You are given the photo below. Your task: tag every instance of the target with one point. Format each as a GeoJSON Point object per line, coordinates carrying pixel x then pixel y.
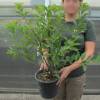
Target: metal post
{"type": "Point", "coordinates": [47, 2]}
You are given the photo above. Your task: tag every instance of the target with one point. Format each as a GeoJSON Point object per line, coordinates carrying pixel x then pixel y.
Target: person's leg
{"type": "Point", "coordinates": [61, 95]}
{"type": "Point", "coordinates": [74, 87]}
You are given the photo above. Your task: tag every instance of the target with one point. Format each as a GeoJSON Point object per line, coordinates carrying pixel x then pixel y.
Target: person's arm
{"type": "Point", "coordinates": [90, 44]}
{"type": "Point", "coordinates": [89, 53]}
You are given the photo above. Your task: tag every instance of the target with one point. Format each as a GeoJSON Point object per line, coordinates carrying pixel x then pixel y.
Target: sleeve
{"type": "Point", "coordinates": [90, 32]}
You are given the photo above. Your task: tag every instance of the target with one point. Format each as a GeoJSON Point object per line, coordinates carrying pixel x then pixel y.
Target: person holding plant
{"type": "Point", "coordinates": [72, 77]}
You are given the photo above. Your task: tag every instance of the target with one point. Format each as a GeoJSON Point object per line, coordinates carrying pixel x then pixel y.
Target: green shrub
{"type": "Point", "coordinates": [43, 30]}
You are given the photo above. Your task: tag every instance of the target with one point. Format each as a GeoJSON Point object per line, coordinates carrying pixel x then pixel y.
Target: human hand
{"type": "Point", "coordinates": [64, 72]}
{"type": "Point", "coordinates": [43, 66]}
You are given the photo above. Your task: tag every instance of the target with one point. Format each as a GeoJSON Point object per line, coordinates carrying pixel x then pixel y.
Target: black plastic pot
{"type": "Point", "coordinates": [48, 89]}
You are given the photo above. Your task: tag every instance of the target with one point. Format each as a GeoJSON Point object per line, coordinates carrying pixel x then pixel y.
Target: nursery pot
{"type": "Point", "coordinates": [48, 89]}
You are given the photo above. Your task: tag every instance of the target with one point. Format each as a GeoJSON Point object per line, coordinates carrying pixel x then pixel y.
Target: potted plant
{"type": "Point", "coordinates": [41, 33]}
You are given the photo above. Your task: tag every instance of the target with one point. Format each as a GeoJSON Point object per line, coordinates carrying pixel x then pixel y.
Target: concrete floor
{"type": "Point", "coordinates": [37, 97]}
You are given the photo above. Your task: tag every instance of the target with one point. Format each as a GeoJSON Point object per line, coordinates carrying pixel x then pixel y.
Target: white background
{"type": "Point", "coordinates": [11, 2]}
{"type": "Point", "coordinates": [95, 3]}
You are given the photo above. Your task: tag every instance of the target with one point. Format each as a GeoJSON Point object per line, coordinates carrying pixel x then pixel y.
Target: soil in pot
{"type": "Point", "coordinates": [47, 83]}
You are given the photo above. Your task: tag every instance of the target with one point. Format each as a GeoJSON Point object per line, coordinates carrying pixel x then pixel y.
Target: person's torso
{"type": "Point", "coordinates": [67, 32]}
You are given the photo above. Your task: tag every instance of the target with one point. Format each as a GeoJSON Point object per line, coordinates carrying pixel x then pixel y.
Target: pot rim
{"type": "Point", "coordinates": [42, 81]}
